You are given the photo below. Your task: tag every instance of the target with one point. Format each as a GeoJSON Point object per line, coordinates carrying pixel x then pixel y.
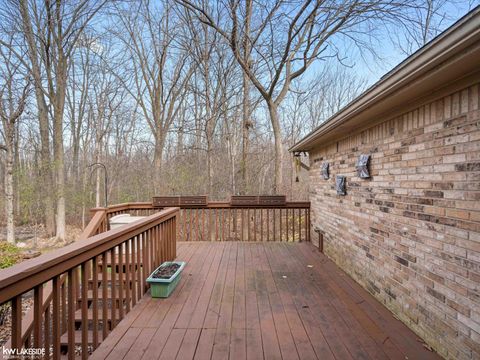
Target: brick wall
{"type": "Point", "coordinates": [411, 233]}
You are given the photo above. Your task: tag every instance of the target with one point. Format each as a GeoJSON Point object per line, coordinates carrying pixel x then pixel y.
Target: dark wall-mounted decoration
{"type": "Point", "coordinates": [341, 185]}
{"type": "Point", "coordinates": [325, 172]}
{"type": "Point", "coordinates": [362, 166]}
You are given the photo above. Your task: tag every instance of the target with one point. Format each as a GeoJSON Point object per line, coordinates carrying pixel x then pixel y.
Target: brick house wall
{"type": "Point", "coordinates": [411, 233]}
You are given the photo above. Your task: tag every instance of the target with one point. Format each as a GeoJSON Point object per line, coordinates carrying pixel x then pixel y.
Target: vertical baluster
{"type": "Point", "coordinates": [293, 224]}
{"type": "Point", "coordinates": [161, 240]}
{"type": "Point", "coordinates": [165, 239]}
{"type": "Point", "coordinates": [71, 313]}
{"type": "Point", "coordinates": [105, 321]}
{"type": "Point", "coordinates": [154, 248]}
{"type": "Point", "coordinates": [281, 223]}
{"type": "Point", "coordinates": [37, 315]}
{"type": "Point", "coordinates": [261, 224]}
{"type": "Point", "coordinates": [184, 226]}
{"type": "Point", "coordinates": [274, 211]}
{"type": "Point", "coordinates": [159, 243]}
{"type": "Point", "coordinates": [46, 331]}
{"type": "Point", "coordinates": [173, 237]}
{"type": "Point", "coordinates": [248, 224]}
{"type": "Point", "coordinates": [84, 274]}
{"type": "Point", "coordinates": [133, 265]}
{"type": "Point", "coordinates": [77, 286]}
{"type": "Point", "coordinates": [166, 242]}
{"type": "Point", "coordinates": [150, 247]}
{"type": "Point", "coordinates": [139, 262]}
{"type": "Point", "coordinates": [16, 335]}
{"type": "Point", "coordinates": [300, 224]}
{"type": "Point", "coordinates": [268, 224]}
{"type": "Point", "coordinates": [242, 214]}
{"type": "Point", "coordinates": [308, 225]}
{"type": "Point", "coordinates": [63, 287]}
{"type": "Point", "coordinates": [113, 286]}
{"type": "Point", "coordinates": [121, 281]}
{"type": "Point", "coordinates": [234, 223]}
{"type": "Point", "coordinates": [171, 223]}
{"type": "Point", "coordinates": [95, 301]}
{"type": "Point", "coordinates": [286, 224]}
{"type": "Point", "coordinates": [215, 217]}
{"type": "Point", "coordinates": [190, 236]}
{"type": "Point", "coordinates": [203, 224]}
{"type": "Point", "coordinates": [197, 226]}
{"type": "Point", "coordinates": [221, 228]}
{"type": "Point", "coordinates": [127, 275]}
{"type": "Point", "coordinates": [146, 243]}
{"type": "Point", "coordinates": [254, 224]}
{"type": "Point", "coordinates": [143, 264]}
{"type": "Point", "coordinates": [226, 223]}
{"type": "Point", "coordinates": [229, 223]}
{"type": "Point", "coordinates": [192, 224]}
{"type": "Point", "coordinates": [56, 318]}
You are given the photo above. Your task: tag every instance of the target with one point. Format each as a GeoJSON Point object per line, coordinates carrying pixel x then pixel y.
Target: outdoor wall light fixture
{"type": "Point", "coordinates": [362, 166]}
{"type": "Point", "coordinates": [341, 185]}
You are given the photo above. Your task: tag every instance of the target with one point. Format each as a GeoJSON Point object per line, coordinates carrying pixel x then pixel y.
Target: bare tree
{"type": "Point", "coordinates": [51, 34]}
{"type": "Point", "coordinates": [13, 97]}
{"type": "Point", "coordinates": [427, 20]}
{"type": "Point", "coordinates": [158, 68]}
{"type": "Point", "coordinates": [286, 39]}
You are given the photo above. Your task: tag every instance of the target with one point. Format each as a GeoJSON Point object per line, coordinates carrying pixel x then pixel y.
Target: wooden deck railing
{"type": "Point", "coordinates": [80, 292]}
{"type": "Point", "coordinates": [221, 221]}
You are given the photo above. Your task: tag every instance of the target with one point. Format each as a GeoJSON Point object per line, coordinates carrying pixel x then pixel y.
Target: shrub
{"type": "Point", "coordinates": [9, 255]}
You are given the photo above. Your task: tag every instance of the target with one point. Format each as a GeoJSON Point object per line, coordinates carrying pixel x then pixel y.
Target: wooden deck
{"type": "Point", "coordinates": [271, 300]}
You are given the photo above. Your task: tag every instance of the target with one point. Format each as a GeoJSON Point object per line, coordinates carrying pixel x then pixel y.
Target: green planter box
{"type": "Point", "coordinates": [162, 288]}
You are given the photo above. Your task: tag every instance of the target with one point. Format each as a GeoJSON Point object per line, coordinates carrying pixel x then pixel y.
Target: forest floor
{"type": "Point", "coordinates": [31, 241]}
{"type": "Point", "coordinates": [33, 237]}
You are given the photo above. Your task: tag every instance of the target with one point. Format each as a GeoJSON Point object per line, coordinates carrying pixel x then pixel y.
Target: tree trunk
{"type": "Point", "coordinates": [59, 156]}
{"type": "Point", "coordinates": [46, 171]}
{"type": "Point", "coordinates": [9, 209]}
{"type": "Point", "coordinates": [245, 128]}
{"type": "Point", "coordinates": [42, 113]}
{"type": "Point", "coordinates": [157, 164]}
{"type": "Point", "coordinates": [277, 134]}
{"type": "Point", "coordinates": [209, 167]}
{"type": "Point", "coordinates": [246, 121]}
{"type": "Point", "coordinates": [17, 169]}
{"type": "Point", "coordinates": [76, 161]}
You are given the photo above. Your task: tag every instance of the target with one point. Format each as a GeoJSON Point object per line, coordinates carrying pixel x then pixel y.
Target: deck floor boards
{"type": "Point", "coordinates": [250, 300]}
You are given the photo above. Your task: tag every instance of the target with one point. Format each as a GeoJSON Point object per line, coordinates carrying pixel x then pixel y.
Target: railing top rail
{"type": "Point", "coordinates": [228, 205]}
{"type": "Point", "coordinates": [210, 205]}
{"type": "Point", "coordinates": [24, 276]}
{"type": "Point", "coordinates": [93, 225]}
